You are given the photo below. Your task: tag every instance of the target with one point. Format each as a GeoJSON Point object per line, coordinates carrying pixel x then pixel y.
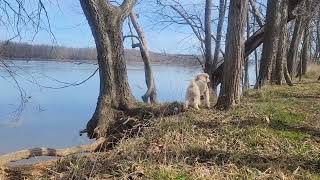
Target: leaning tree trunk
{"type": "Point", "coordinates": [270, 41]}
{"type": "Point", "coordinates": [294, 46]}
{"type": "Point", "coordinates": [208, 54]}
{"type": "Point", "coordinates": [222, 13]}
{"type": "Point", "coordinates": [230, 87]}
{"type": "Point", "coordinates": [151, 92]}
{"type": "Point", "coordinates": [105, 21]}
{"type": "Point", "coordinates": [306, 48]}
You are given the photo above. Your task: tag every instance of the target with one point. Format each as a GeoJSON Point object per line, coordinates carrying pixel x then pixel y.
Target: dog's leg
{"type": "Point", "coordinates": [197, 101]}
{"type": "Point", "coordinates": [207, 98]}
{"type": "Point", "coordinates": [186, 104]}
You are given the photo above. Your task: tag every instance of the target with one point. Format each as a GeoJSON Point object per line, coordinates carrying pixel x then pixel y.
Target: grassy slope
{"type": "Point", "coordinates": [210, 144]}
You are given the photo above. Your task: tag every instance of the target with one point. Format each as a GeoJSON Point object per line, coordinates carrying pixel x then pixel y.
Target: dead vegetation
{"type": "Point", "coordinates": [275, 133]}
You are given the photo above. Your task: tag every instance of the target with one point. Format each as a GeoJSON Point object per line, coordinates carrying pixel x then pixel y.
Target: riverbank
{"type": "Point", "coordinates": [275, 133]}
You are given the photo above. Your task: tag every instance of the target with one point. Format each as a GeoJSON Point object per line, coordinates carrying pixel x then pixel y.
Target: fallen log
{"type": "Point", "coordinates": [29, 153]}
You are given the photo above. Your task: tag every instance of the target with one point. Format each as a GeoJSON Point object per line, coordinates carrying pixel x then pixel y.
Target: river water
{"type": "Point", "coordinates": [54, 117]}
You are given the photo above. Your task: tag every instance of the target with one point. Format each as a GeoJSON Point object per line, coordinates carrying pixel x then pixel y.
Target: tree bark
{"type": "Point", "coordinates": [280, 70]}
{"type": "Point", "coordinates": [246, 63]}
{"type": "Point", "coordinates": [208, 53]}
{"type": "Point", "coordinates": [306, 47]}
{"type": "Point", "coordinates": [105, 21]}
{"type": "Point", "coordinates": [230, 88]}
{"type": "Point", "coordinates": [294, 46]}
{"type": "Point", "coordinates": [269, 42]}
{"type": "Point", "coordinates": [151, 92]}
{"type": "Point", "coordinates": [222, 12]}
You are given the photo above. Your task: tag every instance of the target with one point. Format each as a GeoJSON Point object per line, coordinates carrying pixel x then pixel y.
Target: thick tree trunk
{"type": "Point", "coordinates": [151, 92]}
{"type": "Point", "coordinates": [222, 13]}
{"type": "Point", "coordinates": [282, 46]}
{"type": "Point", "coordinates": [294, 45]}
{"type": "Point", "coordinates": [230, 87]}
{"type": "Point", "coordinates": [270, 42]}
{"type": "Point", "coordinates": [207, 22]}
{"type": "Point", "coordinates": [105, 22]}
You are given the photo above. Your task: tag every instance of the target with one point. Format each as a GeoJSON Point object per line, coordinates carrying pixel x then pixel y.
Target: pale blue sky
{"type": "Point", "coordinates": [71, 29]}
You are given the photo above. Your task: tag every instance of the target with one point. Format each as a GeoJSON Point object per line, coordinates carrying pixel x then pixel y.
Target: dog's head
{"type": "Point", "coordinates": [203, 77]}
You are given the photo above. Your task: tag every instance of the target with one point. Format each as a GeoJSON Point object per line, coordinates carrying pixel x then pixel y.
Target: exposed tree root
{"type": "Point", "coordinates": [29, 153]}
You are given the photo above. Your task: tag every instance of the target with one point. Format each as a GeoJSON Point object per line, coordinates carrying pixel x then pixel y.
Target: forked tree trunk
{"type": "Point", "coordinates": [222, 13]}
{"type": "Point", "coordinates": [230, 87]}
{"type": "Point", "coordinates": [208, 53]}
{"type": "Point", "coordinates": [105, 21]}
{"type": "Point", "coordinates": [151, 93]}
{"type": "Point", "coordinates": [269, 42]}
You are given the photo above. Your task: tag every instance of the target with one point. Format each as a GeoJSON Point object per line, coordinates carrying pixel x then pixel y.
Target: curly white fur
{"type": "Point", "coordinates": [198, 87]}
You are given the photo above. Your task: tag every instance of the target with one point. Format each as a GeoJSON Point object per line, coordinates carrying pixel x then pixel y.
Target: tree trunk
{"type": "Point", "coordinates": [208, 54]}
{"type": "Point", "coordinates": [222, 12]}
{"type": "Point", "coordinates": [230, 88]}
{"type": "Point", "coordinates": [151, 92]}
{"type": "Point", "coordinates": [246, 63]}
{"type": "Point", "coordinates": [282, 46]}
{"type": "Point", "coordinates": [294, 46]}
{"type": "Point", "coordinates": [105, 21]}
{"type": "Point", "coordinates": [269, 42]}
{"type": "Point", "coordinates": [306, 47]}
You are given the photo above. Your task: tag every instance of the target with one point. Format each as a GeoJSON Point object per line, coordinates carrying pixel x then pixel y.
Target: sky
{"type": "Point", "coordinates": [70, 28]}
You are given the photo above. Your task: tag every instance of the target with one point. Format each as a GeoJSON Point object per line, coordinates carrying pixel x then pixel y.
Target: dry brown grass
{"type": "Point", "coordinates": [313, 71]}
{"type": "Point", "coordinates": [210, 144]}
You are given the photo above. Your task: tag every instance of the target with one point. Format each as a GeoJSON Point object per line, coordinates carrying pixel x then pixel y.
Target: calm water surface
{"type": "Point", "coordinates": [53, 117]}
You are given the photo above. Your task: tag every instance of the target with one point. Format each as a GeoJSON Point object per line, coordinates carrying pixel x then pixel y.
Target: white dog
{"type": "Point", "coordinates": [197, 88]}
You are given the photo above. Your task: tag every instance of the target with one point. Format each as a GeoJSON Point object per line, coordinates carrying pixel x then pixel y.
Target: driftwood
{"type": "Point", "coordinates": [29, 153]}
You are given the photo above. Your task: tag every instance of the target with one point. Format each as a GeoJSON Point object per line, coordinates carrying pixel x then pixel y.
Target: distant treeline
{"type": "Point", "coordinates": [25, 50]}
{"type": "Point", "coordinates": [14, 50]}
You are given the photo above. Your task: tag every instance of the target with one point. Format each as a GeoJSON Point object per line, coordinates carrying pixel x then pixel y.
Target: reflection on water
{"type": "Point", "coordinates": [53, 117]}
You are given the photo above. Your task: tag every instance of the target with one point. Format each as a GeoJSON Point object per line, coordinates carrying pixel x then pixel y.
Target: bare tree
{"type": "Point", "coordinates": [306, 46]}
{"type": "Point", "coordinates": [294, 45]}
{"type": "Point", "coordinates": [208, 43]}
{"type": "Point", "coordinates": [105, 21]}
{"type": "Point", "coordinates": [230, 87]}
{"type": "Point", "coordinates": [222, 12]}
{"type": "Point", "coordinates": [151, 92]}
{"type": "Point", "coordinates": [256, 40]}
